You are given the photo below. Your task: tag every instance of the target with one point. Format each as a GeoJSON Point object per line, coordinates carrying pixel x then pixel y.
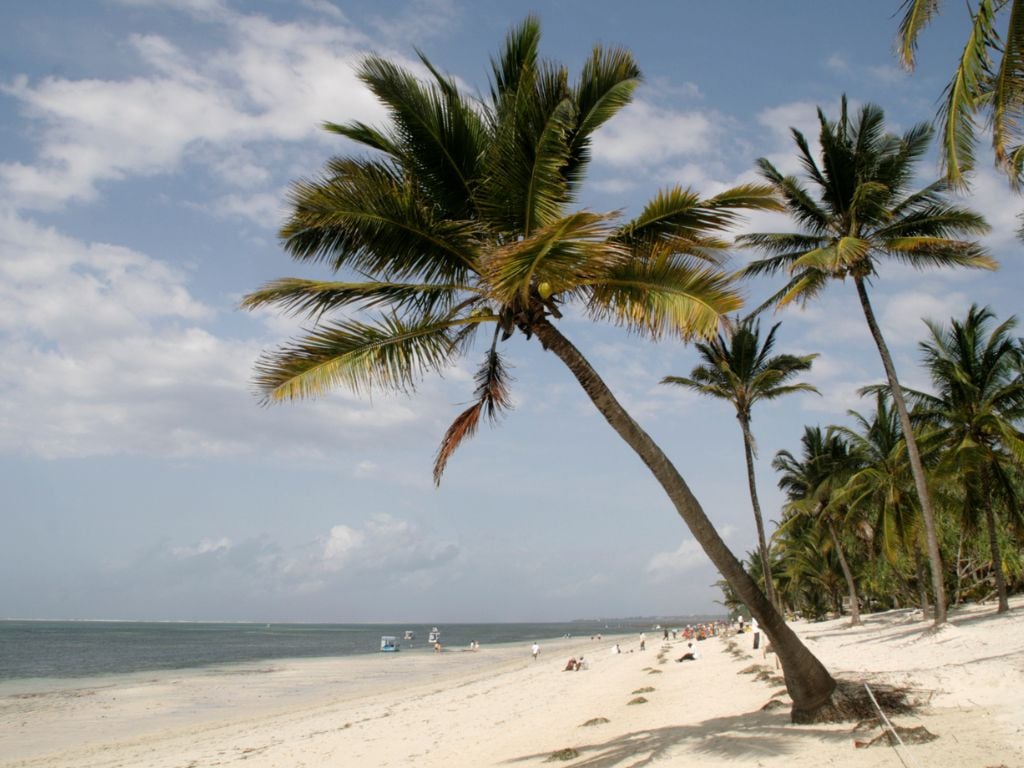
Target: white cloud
{"type": "Point", "coordinates": [837, 63]}
{"type": "Point", "coordinates": [269, 81]}
{"type": "Point", "coordinates": [688, 556]}
{"type": "Point", "coordinates": [106, 352]}
{"type": "Point", "coordinates": [385, 543]}
{"type": "Point", "coordinates": [204, 547]}
{"type": "Point", "coordinates": [648, 135]}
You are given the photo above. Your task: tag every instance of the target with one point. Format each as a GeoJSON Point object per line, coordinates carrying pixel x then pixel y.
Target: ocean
{"type": "Point", "coordinates": [78, 649]}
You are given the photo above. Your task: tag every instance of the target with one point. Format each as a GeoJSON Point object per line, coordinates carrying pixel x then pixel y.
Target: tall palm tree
{"type": "Point", "coordinates": [865, 214]}
{"type": "Point", "coordinates": [738, 368]}
{"type": "Point", "coordinates": [810, 483]}
{"type": "Point", "coordinates": [461, 219]}
{"type": "Point", "coordinates": [988, 80]}
{"type": "Point", "coordinates": [979, 401]}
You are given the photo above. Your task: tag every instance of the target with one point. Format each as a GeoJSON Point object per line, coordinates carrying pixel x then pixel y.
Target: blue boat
{"type": "Point", "coordinates": [388, 644]}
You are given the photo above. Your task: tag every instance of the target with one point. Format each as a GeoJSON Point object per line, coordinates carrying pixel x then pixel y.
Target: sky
{"type": "Point", "coordinates": [146, 148]}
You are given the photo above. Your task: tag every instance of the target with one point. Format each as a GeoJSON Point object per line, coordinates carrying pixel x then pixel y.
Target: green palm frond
{"type": "Point", "coordinates": [963, 97]}
{"type": "Point", "coordinates": [314, 298]}
{"type": "Point", "coordinates": [365, 217]}
{"type": "Point", "coordinates": [834, 258]}
{"type": "Point", "coordinates": [389, 354]}
{"type": "Point", "coordinates": [1008, 94]}
{"type": "Point", "coordinates": [439, 134]}
{"type": "Point", "coordinates": [606, 85]}
{"type": "Point", "coordinates": [675, 298]}
{"type": "Point", "coordinates": [929, 252]}
{"type": "Point", "coordinates": [917, 15]}
{"type": "Point", "coordinates": [565, 253]}
{"type": "Point", "coordinates": [518, 57]}
{"type": "Point", "coordinates": [366, 135]}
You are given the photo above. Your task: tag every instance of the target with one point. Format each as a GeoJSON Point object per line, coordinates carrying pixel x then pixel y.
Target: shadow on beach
{"type": "Point", "coordinates": [741, 737]}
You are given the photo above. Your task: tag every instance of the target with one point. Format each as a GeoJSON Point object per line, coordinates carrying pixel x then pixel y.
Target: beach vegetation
{"type": "Point", "coordinates": [443, 232]}
{"type": "Point", "coordinates": [738, 367]}
{"type": "Point", "coordinates": [857, 211]}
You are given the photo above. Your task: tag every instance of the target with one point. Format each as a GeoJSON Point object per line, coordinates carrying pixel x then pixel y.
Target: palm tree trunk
{"type": "Point", "coordinates": [809, 684]}
{"type": "Point", "coordinates": [922, 585]}
{"type": "Point", "coordinates": [916, 467]}
{"type": "Point", "coordinates": [766, 570]}
{"type": "Point", "coordinates": [851, 585]}
{"type": "Point", "coordinates": [993, 540]}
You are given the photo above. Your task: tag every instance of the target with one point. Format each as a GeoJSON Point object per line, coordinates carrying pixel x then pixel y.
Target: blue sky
{"type": "Point", "coordinates": [146, 147]}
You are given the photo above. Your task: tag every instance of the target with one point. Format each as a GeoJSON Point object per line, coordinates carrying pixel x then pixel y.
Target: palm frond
{"type": "Point", "coordinates": [927, 252]}
{"type": "Point", "coordinates": [606, 85]}
{"type": "Point", "coordinates": [683, 299]}
{"type": "Point", "coordinates": [492, 398]}
{"type": "Point", "coordinates": [314, 298]}
{"type": "Point", "coordinates": [390, 355]}
{"type": "Point", "coordinates": [566, 253]}
{"type": "Point", "coordinates": [363, 215]}
{"type": "Point", "coordinates": [916, 16]}
{"type": "Point", "coordinates": [1008, 95]}
{"type": "Point", "coordinates": [962, 97]}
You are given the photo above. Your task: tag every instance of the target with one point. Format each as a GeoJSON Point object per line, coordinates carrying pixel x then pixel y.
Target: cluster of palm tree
{"type": "Point", "coordinates": [851, 532]}
{"type": "Point", "coordinates": [457, 230]}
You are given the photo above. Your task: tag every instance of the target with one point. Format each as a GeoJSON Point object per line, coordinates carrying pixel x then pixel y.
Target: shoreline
{"type": "Point", "coordinates": [498, 706]}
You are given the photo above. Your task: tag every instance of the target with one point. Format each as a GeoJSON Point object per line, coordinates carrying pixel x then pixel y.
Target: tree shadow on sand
{"type": "Point", "coordinates": [741, 737]}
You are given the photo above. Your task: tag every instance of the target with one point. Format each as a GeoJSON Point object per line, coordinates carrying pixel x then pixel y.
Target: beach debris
{"type": "Point", "coordinates": [654, 672]}
{"type": "Point", "coordinates": [774, 704]}
{"type": "Point", "coordinates": [645, 689]}
{"type": "Point", "coordinates": [595, 721]}
{"type": "Point", "coordinates": [753, 669]}
{"type": "Point", "coordinates": [851, 702]}
{"type": "Point", "coordinates": [916, 735]}
{"type": "Point", "coordinates": [562, 755]}
{"type": "Point", "coordinates": [637, 700]}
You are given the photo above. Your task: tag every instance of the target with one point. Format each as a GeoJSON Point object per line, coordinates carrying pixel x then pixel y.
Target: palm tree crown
{"type": "Point", "coordinates": [460, 219]}
{"type": "Point", "coordinates": [737, 367]}
{"type": "Point", "coordinates": [977, 405]}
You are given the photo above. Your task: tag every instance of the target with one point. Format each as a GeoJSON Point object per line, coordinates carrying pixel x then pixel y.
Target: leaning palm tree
{"type": "Point", "coordinates": [810, 483]}
{"type": "Point", "coordinates": [738, 368]}
{"type": "Point", "coordinates": [865, 214]}
{"type": "Point", "coordinates": [988, 80]}
{"type": "Point", "coordinates": [979, 401]}
{"type": "Point", "coordinates": [462, 220]}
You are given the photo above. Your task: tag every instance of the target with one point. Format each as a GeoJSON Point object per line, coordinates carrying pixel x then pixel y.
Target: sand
{"type": "Point", "coordinates": [499, 707]}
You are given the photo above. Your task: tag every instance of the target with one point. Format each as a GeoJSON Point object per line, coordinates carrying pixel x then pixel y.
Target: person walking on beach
{"type": "Point", "coordinates": [536, 650]}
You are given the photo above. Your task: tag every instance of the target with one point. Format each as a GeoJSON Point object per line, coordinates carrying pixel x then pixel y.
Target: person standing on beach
{"type": "Point", "coordinates": [643, 641]}
{"type": "Point", "coordinates": [536, 650]}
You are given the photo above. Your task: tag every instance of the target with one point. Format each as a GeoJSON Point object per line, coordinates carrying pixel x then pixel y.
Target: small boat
{"type": "Point", "coordinates": [435, 636]}
{"type": "Point", "coordinates": [388, 644]}
{"type": "Point", "coordinates": [409, 635]}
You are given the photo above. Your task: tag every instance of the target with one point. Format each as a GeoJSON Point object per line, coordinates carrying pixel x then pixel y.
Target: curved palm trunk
{"type": "Point", "coordinates": [851, 585]}
{"type": "Point", "coordinates": [766, 570]}
{"type": "Point", "coordinates": [916, 467]}
{"type": "Point", "coordinates": [993, 541]}
{"type": "Point", "coordinates": [808, 682]}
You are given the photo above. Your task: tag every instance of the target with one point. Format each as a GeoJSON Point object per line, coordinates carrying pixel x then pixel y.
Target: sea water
{"type": "Point", "coordinates": [78, 649]}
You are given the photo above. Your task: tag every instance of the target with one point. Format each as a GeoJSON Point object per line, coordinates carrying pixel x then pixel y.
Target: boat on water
{"type": "Point", "coordinates": [434, 636]}
{"type": "Point", "coordinates": [409, 635]}
{"type": "Point", "coordinates": [388, 643]}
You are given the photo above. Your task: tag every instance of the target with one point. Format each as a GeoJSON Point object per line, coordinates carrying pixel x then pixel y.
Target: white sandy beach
{"type": "Point", "coordinates": [497, 707]}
